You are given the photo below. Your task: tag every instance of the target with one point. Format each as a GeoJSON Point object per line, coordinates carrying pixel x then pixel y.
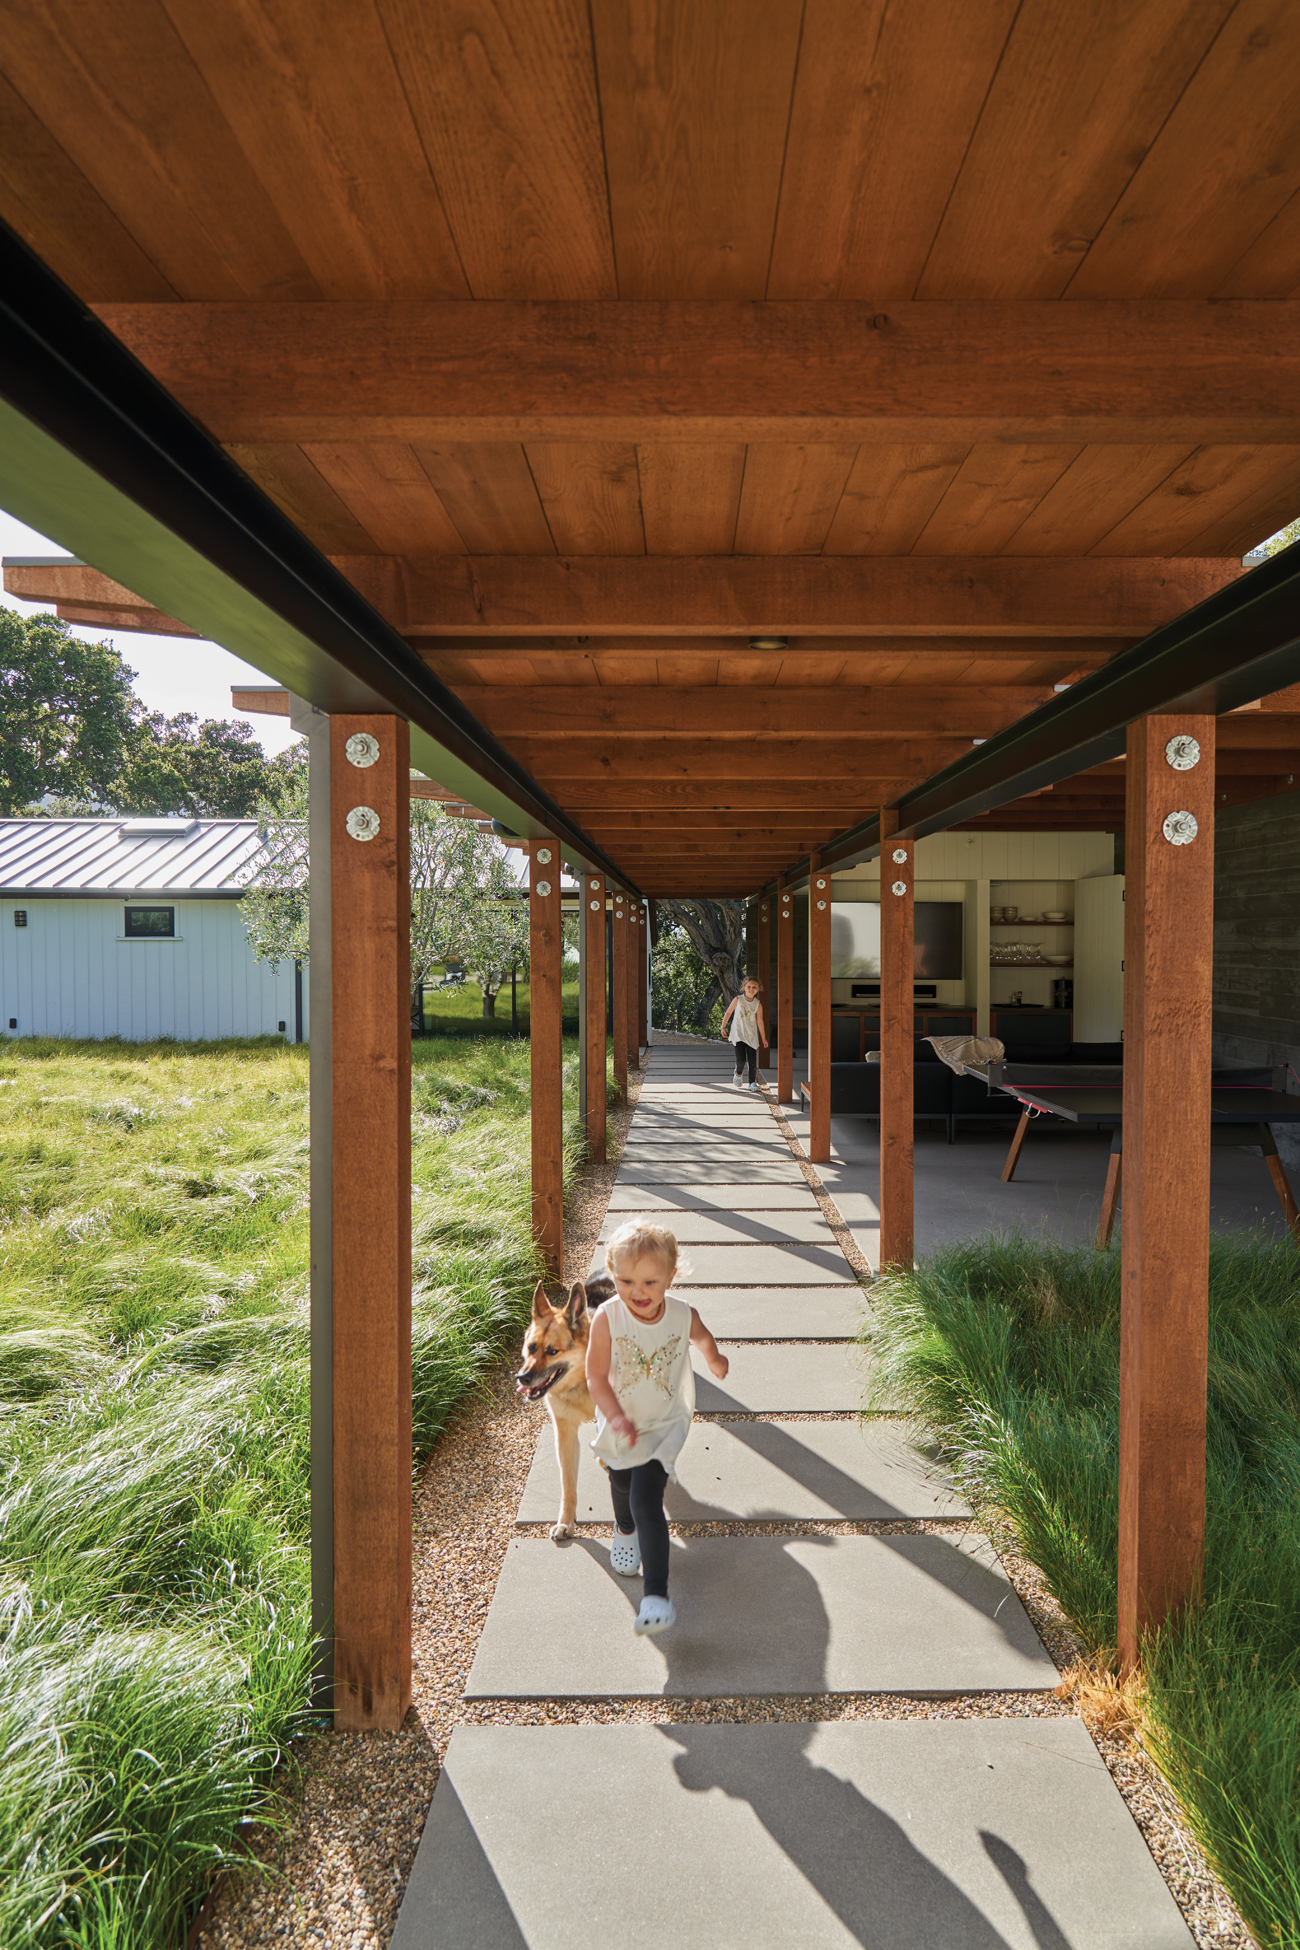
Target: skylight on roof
{"type": "Point", "coordinates": [163, 828]}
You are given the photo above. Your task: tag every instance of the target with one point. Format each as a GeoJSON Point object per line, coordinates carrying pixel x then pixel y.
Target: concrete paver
{"type": "Point", "coordinates": [770, 1472]}
{"type": "Point", "coordinates": [708, 1169]}
{"type": "Point", "coordinates": [787, 1378]}
{"type": "Point", "coordinates": [805, 1613]}
{"type": "Point", "coordinates": [914, 1834]}
{"type": "Point", "coordinates": [754, 1265]}
{"type": "Point", "coordinates": [735, 1228]}
{"type": "Point", "coordinates": [769, 1195]}
{"type": "Point", "coordinates": [776, 1313]}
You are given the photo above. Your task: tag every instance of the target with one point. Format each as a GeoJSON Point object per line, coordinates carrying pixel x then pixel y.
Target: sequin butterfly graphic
{"type": "Point", "coordinates": [635, 1365]}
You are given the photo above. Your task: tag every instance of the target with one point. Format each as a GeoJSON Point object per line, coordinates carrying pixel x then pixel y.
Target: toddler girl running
{"type": "Point", "coordinates": [747, 1031]}
{"type": "Point", "coordinates": [639, 1375]}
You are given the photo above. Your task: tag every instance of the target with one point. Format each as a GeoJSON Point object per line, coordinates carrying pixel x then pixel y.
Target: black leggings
{"type": "Point", "coordinates": [743, 1051]}
{"type": "Point", "coordinates": [639, 1505]}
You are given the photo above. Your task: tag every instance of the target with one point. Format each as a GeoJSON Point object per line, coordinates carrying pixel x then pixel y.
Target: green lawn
{"type": "Point", "coordinates": [459, 1011]}
{"type": "Point", "coordinates": [154, 1629]}
{"type": "Point", "coordinates": [1011, 1352]}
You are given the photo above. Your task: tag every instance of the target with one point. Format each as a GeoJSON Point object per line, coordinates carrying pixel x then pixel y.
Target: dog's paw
{"type": "Point", "coordinates": [562, 1530]}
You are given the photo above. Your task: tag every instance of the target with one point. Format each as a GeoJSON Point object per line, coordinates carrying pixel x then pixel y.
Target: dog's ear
{"type": "Point", "coordinates": [577, 1306]}
{"type": "Point", "coordinates": [542, 1308]}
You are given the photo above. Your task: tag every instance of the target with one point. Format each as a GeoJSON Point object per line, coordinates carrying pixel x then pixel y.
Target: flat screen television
{"type": "Point", "coordinates": [855, 940]}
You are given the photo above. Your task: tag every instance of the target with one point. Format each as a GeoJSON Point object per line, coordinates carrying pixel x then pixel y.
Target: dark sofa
{"type": "Point", "coordinates": [939, 1093]}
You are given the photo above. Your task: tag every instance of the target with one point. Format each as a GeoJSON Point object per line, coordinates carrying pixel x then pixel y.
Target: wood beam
{"type": "Point", "coordinates": [897, 1030]}
{"type": "Point", "coordinates": [643, 978]}
{"type": "Point", "coordinates": [545, 1030]}
{"type": "Point", "coordinates": [370, 1080]}
{"type": "Point", "coordinates": [640, 712]}
{"type": "Point", "coordinates": [593, 1029]}
{"type": "Point", "coordinates": [1165, 1228]}
{"type": "Point", "coordinates": [836, 799]}
{"type": "Point", "coordinates": [961, 600]}
{"type": "Point", "coordinates": [725, 759]}
{"type": "Point", "coordinates": [1162, 370]}
{"type": "Point", "coordinates": [619, 985]}
{"type": "Point", "coordinates": [819, 595]}
{"type": "Point", "coordinates": [819, 1014]}
{"type": "Point", "coordinates": [784, 994]}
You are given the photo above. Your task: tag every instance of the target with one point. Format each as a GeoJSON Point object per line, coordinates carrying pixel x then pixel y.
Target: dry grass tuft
{"type": "Point", "coordinates": [1110, 1706]}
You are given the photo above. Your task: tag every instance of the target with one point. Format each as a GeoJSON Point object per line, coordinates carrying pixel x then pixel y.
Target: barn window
{"type": "Point", "coordinates": [150, 923]}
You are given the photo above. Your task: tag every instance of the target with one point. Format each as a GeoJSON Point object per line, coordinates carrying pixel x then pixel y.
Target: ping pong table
{"type": "Point", "coordinates": [1243, 1104]}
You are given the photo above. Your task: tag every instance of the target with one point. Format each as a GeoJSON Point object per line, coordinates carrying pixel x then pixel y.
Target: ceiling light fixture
{"type": "Point", "coordinates": [767, 643]}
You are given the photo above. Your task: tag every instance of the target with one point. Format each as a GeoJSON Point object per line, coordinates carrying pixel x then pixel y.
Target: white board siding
{"type": "Point", "coordinates": [68, 973]}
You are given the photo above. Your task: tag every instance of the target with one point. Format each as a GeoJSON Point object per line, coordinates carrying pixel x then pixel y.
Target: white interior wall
{"type": "Point", "coordinates": [1031, 871]}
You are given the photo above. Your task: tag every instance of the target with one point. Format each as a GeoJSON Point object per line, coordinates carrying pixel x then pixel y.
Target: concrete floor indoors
{"type": "Point", "coordinates": [1055, 1194]}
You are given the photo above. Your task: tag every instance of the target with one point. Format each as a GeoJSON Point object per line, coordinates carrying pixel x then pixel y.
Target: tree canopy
{"type": "Point", "coordinates": [75, 737]}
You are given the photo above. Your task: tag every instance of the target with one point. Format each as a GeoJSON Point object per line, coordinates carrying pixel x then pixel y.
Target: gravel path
{"type": "Point", "coordinates": [352, 1820]}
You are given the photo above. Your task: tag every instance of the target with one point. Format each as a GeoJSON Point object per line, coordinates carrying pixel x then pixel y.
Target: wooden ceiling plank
{"type": "Point", "coordinates": [504, 98]}
{"type": "Point", "coordinates": [56, 210]}
{"type": "Point", "coordinates": [488, 490]}
{"type": "Point", "coordinates": [1210, 484]}
{"type": "Point", "coordinates": [750, 711]}
{"type": "Point", "coordinates": [314, 98]}
{"type": "Point", "coordinates": [690, 497]}
{"type": "Point", "coordinates": [889, 497]}
{"type": "Point", "coordinates": [695, 103]}
{"type": "Point", "coordinates": [789, 497]}
{"type": "Point", "coordinates": [386, 488]}
{"type": "Point", "coordinates": [1255, 518]}
{"type": "Point", "coordinates": [119, 92]}
{"type": "Point", "coordinates": [1080, 94]}
{"type": "Point", "coordinates": [573, 672]}
{"type": "Point", "coordinates": [989, 497]}
{"type": "Point", "coordinates": [917, 377]}
{"type": "Point", "coordinates": [1270, 268]}
{"type": "Point", "coordinates": [1226, 161]}
{"type": "Point", "coordinates": [643, 669]}
{"type": "Point", "coordinates": [294, 484]}
{"type": "Point", "coordinates": [689, 673]}
{"type": "Point", "coordinates": [591, 491]}
{"type": "Point", "coordinates": [1081, 507]}
{"type": "Point", "coordinates": [858, 215]}
{"type": "Point", "coordinates": [828, 666]}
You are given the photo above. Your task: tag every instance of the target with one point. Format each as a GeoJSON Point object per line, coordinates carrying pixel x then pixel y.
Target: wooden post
{"type": "Point", "coordinates": [593, 1029]}
{"type": "Point", "coordinates": [545, 1032]}
{"type": "Point", "coordinates": [819, 1013]}
{"type": "Point", "coordinates": [643, 977]}
{"type": "Point", "coordinates": [897, 960]}
{"type": "Point", "coordinates": [765, 974]}
{"type": "Point", "coordinates": [633, 984]}
{"type": "Point", "coordinates": [370, 1004]}
{"type": "Point", "coordinates": [620, 991]}
{"type": "Point", "coordinates": [784, 994]}
{"type": "Point", "coordinates": [1164, 1247]}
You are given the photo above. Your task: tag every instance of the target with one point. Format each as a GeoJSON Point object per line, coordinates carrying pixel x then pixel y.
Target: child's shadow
{"type": "Point", "coordinates": [749, 1620]}
{"type": "Point", "coordinates": [858, 1859]}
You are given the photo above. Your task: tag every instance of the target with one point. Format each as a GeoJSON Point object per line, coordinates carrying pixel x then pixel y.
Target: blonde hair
{"type": "Point", "coordinates": [635, 1241]}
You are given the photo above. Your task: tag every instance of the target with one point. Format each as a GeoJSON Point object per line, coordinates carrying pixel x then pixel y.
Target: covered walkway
{"type": "Point", "coordinates": [830, 1590]}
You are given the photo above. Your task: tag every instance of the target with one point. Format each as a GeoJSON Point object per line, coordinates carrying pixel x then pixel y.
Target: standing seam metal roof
{"type": "Point", "coordinates": [95, 856]}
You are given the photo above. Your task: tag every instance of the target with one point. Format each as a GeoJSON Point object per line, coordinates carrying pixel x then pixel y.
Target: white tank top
{"type": "Point", "coordinates": [650, 1371]}
{"type": "Point", "coordinates": [744, 1024]}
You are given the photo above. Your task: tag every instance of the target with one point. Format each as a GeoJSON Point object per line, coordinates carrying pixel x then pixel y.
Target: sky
{"type": "Point", "coordinates": [172, 673]}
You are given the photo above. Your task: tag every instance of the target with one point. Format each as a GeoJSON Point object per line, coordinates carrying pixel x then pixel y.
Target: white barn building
{"type": "Point", "coordinates": [132, 928]}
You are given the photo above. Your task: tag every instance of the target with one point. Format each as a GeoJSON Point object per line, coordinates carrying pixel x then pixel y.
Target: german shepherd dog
{"type": "Point", "coordinates": [555, 1371]}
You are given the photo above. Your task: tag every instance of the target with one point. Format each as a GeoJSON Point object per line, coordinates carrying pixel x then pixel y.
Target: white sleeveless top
{"type": "Point", "coordinates": [650, 1372]}
{"type": "Point", "coordinates": [744, 1023]}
